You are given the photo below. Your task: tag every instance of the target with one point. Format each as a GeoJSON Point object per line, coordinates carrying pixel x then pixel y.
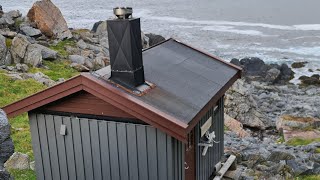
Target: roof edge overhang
{"type": "Point", "coordinates": [106, 92]}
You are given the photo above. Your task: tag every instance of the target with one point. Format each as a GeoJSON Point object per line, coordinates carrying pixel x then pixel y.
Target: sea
{"type": "Point", "coordinates": [277, 31]}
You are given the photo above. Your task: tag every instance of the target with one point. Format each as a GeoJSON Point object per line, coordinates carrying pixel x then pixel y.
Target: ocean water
{"type": "Point", "coordinates": [276, 31]}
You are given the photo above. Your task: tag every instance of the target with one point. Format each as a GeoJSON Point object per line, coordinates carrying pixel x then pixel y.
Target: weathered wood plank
{"type": "Point", "coordinates": [44, 146]}
{"type": "Point", "coordinates": [61, 148]}
{"type": "Point", "coordinates": [36, 145]}
{"type": "Point", "coordinates": [152, 153]}
{"type": "Point", "coordinates": [78, 154]}
{"type": "Point", "coordinates": [162, 155]}
{"type": "Point", "coordinates": [113, 147]}
{"type": "Point", "coordinates": [52, 147]}
{"type": "Point", "coordinates": [122, 150]}
{"type": "Point", "coordinates": [105, 153]}
{"type": "Point", "coordinates": [133, 154]}
{"type": "Point", "coordinates": [86, 145]}
{"type": "Point", "coordinates": [69, 149]}
{"type": "Point", "coordinates": [95, 148]}
{"type": "Point", "coordinates": [142, 152]}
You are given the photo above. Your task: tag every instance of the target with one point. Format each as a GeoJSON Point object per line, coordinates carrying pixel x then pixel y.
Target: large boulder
{"type": "Point", "coordinates": [49, 20]}
{"type": "Point", "coordinates": [30, 31]}
{"type": "Point", "coordinates": [6, 144]}
{"type": "Point", "coordinates": [33, 55]}
{"type": "Point", "coordinates": [19, 47]}
{"type": "Point", "coordinates": [18, 161]}
{"type": "Point", "coordinates": [3, 50]}
{"type": "Point", "coordinates": [154, 39]}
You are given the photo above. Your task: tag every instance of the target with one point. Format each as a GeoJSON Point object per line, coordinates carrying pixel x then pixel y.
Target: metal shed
{"type": "Point", "coordinates": [90, 127]}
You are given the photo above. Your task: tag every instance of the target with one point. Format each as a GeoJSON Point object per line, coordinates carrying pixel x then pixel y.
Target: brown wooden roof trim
{"type": "Point", "coordinates": [44, 97]}
{"type": "Point", "coordinates": [106, 92]}
{"type": "Point", "coordinates": [213, 101]}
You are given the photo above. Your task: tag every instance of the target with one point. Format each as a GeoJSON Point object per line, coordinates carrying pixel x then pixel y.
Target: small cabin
{"type": "Point", "coordinates": [153, 114]}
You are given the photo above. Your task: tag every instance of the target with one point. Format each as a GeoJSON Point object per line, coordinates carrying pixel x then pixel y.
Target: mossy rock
{"type": "Point", "coordinates": [297, 65]}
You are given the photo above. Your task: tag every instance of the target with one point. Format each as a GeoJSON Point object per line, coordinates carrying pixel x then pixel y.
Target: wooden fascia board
{"type": "Point", "coordinates": [212, 102]}
{"type": "Point", "coordinates": [44, 97]}
{"type": "Point", "coordinates": [135, 107]}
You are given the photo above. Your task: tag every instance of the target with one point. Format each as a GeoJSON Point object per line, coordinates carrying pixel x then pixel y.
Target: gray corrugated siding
{"type": "Point", "coordinates": [205, 164]}
{"type": "Point", "coordinates": [96, 149]}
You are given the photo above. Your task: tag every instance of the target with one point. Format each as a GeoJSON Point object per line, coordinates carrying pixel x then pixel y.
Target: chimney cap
{"type": "Point", "coordinates": [122, 12]}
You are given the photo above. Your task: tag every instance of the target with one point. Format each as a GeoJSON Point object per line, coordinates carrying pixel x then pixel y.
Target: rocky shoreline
{"type": "Point", "coordinates": [255, 104]}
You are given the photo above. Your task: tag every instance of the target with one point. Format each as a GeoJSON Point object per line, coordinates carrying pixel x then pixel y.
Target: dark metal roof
{"type": "Point", "coordinates": [187, 82]}
{"type": "Point", "coordinates": [185, 79]}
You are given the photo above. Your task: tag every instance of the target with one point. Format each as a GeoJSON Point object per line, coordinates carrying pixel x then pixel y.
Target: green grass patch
{"type": "Point", "coordinates": [23, 174]}
{"type": "Point", "coordinates": [60, 47]}
{"type": "Point", "coordinates": [281, 139]}
{"type": "Point", "coordinates": [301, 142]}
{"type": "Point", "coordinates": [8, 42]}
{"type": "Point", "coordinates": [11, 90]}
{"type": "Point", "coordinates": [308, 177]}
{"type": "Point", "coordinates": [57, 69]}
{"type": "Point", "coordinates": [317, 150]}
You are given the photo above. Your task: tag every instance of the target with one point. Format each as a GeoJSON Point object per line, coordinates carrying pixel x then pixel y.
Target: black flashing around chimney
{"type": "Point", "coordinates": [125, 52]}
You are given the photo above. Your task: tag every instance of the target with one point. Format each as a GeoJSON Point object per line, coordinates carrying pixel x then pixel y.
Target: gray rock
{"type": "Point", "coordinates": [3, 50]}
{"type": "Point", "coordinates": [81, 44]}
{"type": "Point", "coordinates": [18, 161]}
{"type": "Point", "coordinates": [88, 63]}
{"type": "Point", "coordinates": [277, 156]}
{"type": "Point", "coordinates": [79, 67]}
{"type": "Point", "coordinates": [100, 62]}
{"type": "Point", "coordinates": [42, 78]}
{"type": "Point", "coordinates": [4, 175]}
{"type": "Point", "coordinates": [14, 14]}
{"type": "Point", "coordinates": [6, 20]}
{"type": "Point", "coordinates": [297, 166]}
{"type": "Point", "coordinates": [33, 55]}
{"type": "Point", "coordinates": [22, 67]}
{"type": "Point", "coordinates": [10, 68]}
{"type": "Point", "coordinates": [8, 59]}
{"type": "Point", "coordinates": [32, 166]}
{"type": "Point", "coordinates": [77, 59]}
{"type": "Point", "coordinates": [30, 31]}
{"type": "Point", "coordinates": [47, 53]}
{"type": "Point", "coordinates": [8, 33]}
{"type": "Point", "coordinates": [272, 74]}
{"type": "Point", "coordinates": [6, 144]}
{"type": "Point", "coordinates": [154, 39]}
{"type": "Point", "coordinates": [19, 48]}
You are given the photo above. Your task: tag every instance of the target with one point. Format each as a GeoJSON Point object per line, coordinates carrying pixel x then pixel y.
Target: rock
{"type": "Point", "coordinates": [47, 53]}
{"type": "Point", "coordinates": [289, 122]}
{"type": "Point", "coordinates": [30, 31]}
{"type": "Point", "coordinates": [313, 80]}
{"type": "Point", "coordinates": [44, 79]}
{"type": "Point", "coordinates": [235, 126]}
{"type": "Point", "coordinates": [99, 27]}
{"type": "Point", "coordinates": [14, 14]}
{"type": "Point", "coordinates": [32, 166]}
{"type": "Point", "coordinates": [286, 74]}
{"type": "Point", "coordinates": [297, 65]}
{"type": "Point", "coordinates": [253, 66]}
{"type": "Point", "coordinates": [155, 39]}
{"type": "Point", "coordinates": [100, 62]}
{"type": "Point", "coordinates": [10, 68]}
{"type": "Point", "coordinates": [19, 47]}
{"type": "Point", "coordinates": [1, 11]}
{"type": "Point", "coordinates": [6, 144]}
{"type": "Point", "coordinates": [77, 59]}
{"type": "Point", "coordinates": [88, 63]}
{"type": "Point", "coordinates": [6, 20]}
{"type": "Point", "coordinates": [3, 50]}
{"type": "Point", "coordinates": [235, 62]}
{"type": "Point", "coordinates": [81, 44]}
{"type": "Point", "coordinates": [8, 59]}
{"type": "Point", "coordinates": [8, 33]}
{"type": "Point", "coordinates": [49, 20]}
{"type": "Point", "coordinates": [144, 41]}
{"type": "Point", "coordinates": [79, 67]}
{"type": "Point", "coordinates": [33, 55]}
{"type": "Point", "coordinates": [18, 161]}
{"type": "Point", "coordinates": [272, 75]}
{"type": "Point", "coordinates": [4, 175]}
{"type": "Point", "coordinates": [22, 67]}
{"type": "Point", "coordinates": [277, 156]}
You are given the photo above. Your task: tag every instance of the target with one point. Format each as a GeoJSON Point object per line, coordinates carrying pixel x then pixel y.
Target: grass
{"type": "Point", "coordinates": [308, 177]}
{"type": "Point", "coordinates": [57, 69]}
{"type": "Point", "coordinates": [301, 142]}
{"type": "Point", "coordinates": [8, 42]}
{"type": "Point", "coordinates": [60, 47]}
{"type": "Point", "coordinates": [11, 91]}
{"type": "Point", "coordinates": [23, 174]}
